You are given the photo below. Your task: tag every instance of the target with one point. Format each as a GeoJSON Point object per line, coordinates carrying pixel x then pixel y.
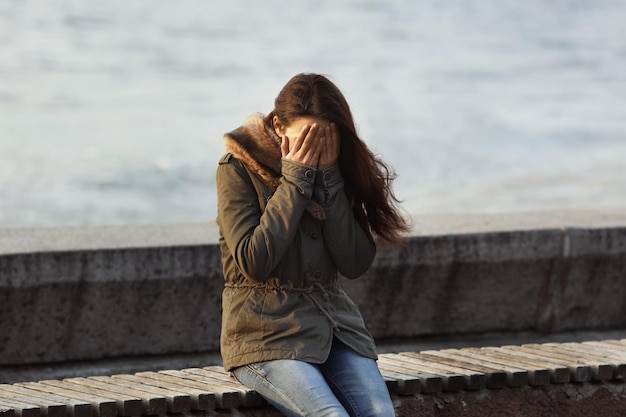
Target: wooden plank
{"type": "Point", "coordinates": [608, 348]}
{"type": "Point", "coordinates": [600, 371]}
{"type": "Point", "coordinates": [247, 397]}
{"type": "Point", "coordinates": [126, 405]}
{"type": "Point", "coordinates": [48, 408]}
{"type": "Point", "coordinates": [496, 378]}
{"type": "Point", "coordinates": [21, 409]}
{"type": "Point", "coordinates": [620, 344]}
{"type": "Point", "coordinates": [429, 382]}
{"type": "Point", "coordinates": [101, 407]}
{"type": "Point", "coordinates": [619, 365]}
{"type": "Point", "coordinates": [558, 374]}
{"type": "Point", "coordinates": [75, 407]}
{"type": "Point", "coordinates": [195, 398]}
{"type": "Point", "coordinates": [6, 411]}
{"type": "Point", "coordinates": [579, 372]}
{"type": "Point", "coordinates": [250, 396]}
{"type": "Point", "coordinates": [451, 381]}
{"type": "Point", "coordinates": [537, 375]}
{"type": "Point", "coordinates": [432, 380]}
{"type": "Point", "coordinates": [473, 380]}
{"type": "Point", "coordinates": [224, 397]}
{"type": "Point", "coordinates": [177, 402]}
{"type": "Point", "coordinates": [516, 377]}
{"type": "Point", "coordinates": [204, 398]}
{"type": "Point", "coordinates": [151, 404]}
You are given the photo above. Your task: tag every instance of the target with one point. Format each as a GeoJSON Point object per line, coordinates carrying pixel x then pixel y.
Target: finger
{"type": "Point", "coordinates": [334, 133]}
{"type": "Point", "coordinates": [301, 137]}
{"type": "Point", "coordinates": [326, 140]}
{"type": "Point", "coordinates": [319, 148]}
{"type": "Point", "coordinates": [308, 140]}
{"type": "Point", "coordinates": [312, 155]}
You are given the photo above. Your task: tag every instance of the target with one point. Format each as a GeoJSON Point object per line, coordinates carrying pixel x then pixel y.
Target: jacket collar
{"type": "Point", "coordinates": [258, 147]}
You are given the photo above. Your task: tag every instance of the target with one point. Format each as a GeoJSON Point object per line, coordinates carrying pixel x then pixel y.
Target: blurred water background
{"type": "Point", "coordinates": [113, 112]}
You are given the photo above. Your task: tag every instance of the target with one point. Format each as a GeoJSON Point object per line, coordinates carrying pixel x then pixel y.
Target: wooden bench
{"type": "Point", "coordinates": [406, 373]}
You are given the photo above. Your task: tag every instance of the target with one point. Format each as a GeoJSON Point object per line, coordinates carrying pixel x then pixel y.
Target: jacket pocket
{"type": "Point", "coordinates": [247, 322]}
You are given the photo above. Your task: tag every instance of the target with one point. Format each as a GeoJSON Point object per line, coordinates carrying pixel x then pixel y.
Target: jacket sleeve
{"type": "Point", "coordinates": [259, 239]}
{"type": "Point", "coordinates": [349, 246]}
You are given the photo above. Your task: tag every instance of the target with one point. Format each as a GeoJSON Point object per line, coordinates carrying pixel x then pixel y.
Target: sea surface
{"type": "Point", "coordinates": [112, 112]}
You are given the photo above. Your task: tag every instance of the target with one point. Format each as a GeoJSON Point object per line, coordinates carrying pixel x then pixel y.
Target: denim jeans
{"type": "Point", "coordinates": [347, 384]}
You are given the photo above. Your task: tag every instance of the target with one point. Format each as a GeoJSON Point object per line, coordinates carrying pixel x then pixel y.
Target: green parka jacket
{"type": "Point", "coordinates": [286, 231]}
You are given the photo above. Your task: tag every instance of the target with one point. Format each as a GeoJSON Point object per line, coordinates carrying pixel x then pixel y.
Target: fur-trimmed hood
{"type": "Point", "coordinates": [258, 147]}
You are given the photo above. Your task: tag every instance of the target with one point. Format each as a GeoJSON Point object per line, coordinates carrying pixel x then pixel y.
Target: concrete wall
{"type": "Point", "coordinates": [74, 294]}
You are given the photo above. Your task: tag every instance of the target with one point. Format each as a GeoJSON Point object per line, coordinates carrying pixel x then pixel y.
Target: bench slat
{"type": "Point", "coordinates": [558, 374]}
{"type": "Point", "coordinates": [537, 375]}
{"type": "Point", "coordinates": [75, 407]}
{"type": "Point", "coordinates": [473, 380]}
{"type": "Point", "coordinates": [20, 409]}
{"type": "Point", "coordinates": [48, 408]}
{"type": "Point", "coordinates": [619, 366]}
{"type": "Point", "coordinates": [452, 381]}
{"type": "Point", "coordinates": [429, 382]}
{"type": "Point", "coordinates": [202, 399]}
{"type": "Point", "coordinates": [102, 407]}
{"type": "Point", "coordinates": [579, 372]}
{"type": "Point", "coordinates": [177, 402]}
{"type": "Point", "coordinates": [600, 371]}
{"type": "Point", "coordinates": [516, 377]}
{"type": "Point", "coordinates": [224, 397]}
{"type": "Point", "coordinates": [496, 378]}
{"type": "Point", "coordinates": [247, 397]}
{"type": "Point", "coordinates": [150, 404]}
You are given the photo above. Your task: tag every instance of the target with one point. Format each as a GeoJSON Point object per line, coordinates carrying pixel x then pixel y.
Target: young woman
{"type": "Point", "coordinates": [301, 199]}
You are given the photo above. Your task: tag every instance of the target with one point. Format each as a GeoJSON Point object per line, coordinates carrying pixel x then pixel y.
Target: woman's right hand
{"type": "Point", "coordinates": [306, 149]}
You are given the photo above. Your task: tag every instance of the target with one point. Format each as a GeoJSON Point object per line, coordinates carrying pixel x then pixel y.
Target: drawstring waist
{"type": "Point", "coordinates": [307, 292]}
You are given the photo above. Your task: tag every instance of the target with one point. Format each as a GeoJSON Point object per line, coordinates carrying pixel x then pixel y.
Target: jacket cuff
{"type": "Point", "coordinates": [328, 183]}
{"type": "Point", "coordinates": [302, 176]}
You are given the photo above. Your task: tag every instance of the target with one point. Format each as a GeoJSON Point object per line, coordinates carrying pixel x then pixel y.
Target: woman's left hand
{"type": "Point", "coordinates": [330, 148]}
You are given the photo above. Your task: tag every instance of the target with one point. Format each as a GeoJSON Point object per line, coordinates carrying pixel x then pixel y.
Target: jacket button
{"type": "Point", "coordinates": [309, 174]}
{"type": "Point", "coordinates": [327, 176]}
{"type": "Point", "coordinates": [317, 274]}
{"type": "Point", "coordinates": [315, 235]}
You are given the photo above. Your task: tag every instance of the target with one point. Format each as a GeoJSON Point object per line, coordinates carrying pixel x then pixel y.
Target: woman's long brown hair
{"type": "Point", "coordinates": [367, 178]}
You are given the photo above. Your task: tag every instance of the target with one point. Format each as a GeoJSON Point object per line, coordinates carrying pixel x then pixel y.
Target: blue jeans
{"type": "Point", "coordinates": [347, 384]}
